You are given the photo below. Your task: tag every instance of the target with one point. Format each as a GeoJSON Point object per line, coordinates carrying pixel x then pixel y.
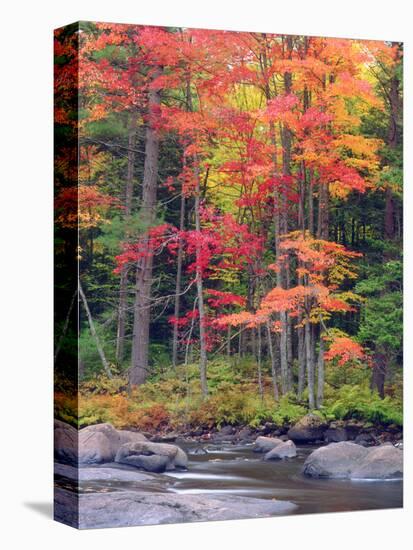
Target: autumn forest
{"type": "Point", "coordinates": [239, 207]}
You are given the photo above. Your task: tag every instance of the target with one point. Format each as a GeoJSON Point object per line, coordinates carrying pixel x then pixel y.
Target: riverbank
{"type": "Point", "coordinates": [363, 433]}
{"type": "Point", "coordinates": [225, 476]}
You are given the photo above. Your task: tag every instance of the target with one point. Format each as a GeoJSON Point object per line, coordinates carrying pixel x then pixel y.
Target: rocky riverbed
{"type": "Point", "coordinates": [124, 479]}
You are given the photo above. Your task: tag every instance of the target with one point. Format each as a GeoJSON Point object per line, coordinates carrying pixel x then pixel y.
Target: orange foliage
{"type": "Point", "coordinates": [345, 350]}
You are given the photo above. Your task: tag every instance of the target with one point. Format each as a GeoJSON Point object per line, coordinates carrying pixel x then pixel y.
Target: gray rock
{"type": "Point", "coordinates": [335, 435]}
{"type": "Point", "coordinates": [150, 463]}
{"type": "Point", "coordinates": [308, 429]}
{"type": "Point", "coordinates": [265, 444]}
{"type": "Point", "coordinates": [101, 473]}
{"type": "Point", "coordinates": [153, 457]}
{"type": "Point", "coordinates": [99, 443]}
{"type": "Point", "coordinates": [198, 451]}
{"type": "Point", "coordinates": [121, 509]}
{"type": "Point", "coordinates": [365, 439]}
{"type": "Point", "coordinates": [166, 438]}
{"type": "Point", "coordinates": [286, 449]}
{"type": "Point", "coordinates": [245, 434]}
{"type": "Point", "coordinates": [335, 460]}
{"type": "Point", "coordinates": [383, 462]}
{"type": "Point", "coordinates": [351, 461]}
{"type": "Point", "coordinates": [91, 445]}
{"type": "Point", "coordinates": [65, 442]}
{"type": "Point", "coordinates": [181, 459]}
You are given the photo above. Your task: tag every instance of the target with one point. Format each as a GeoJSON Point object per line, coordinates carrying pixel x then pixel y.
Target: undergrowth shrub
{"type": "Point", "coordinates": [362, 403]}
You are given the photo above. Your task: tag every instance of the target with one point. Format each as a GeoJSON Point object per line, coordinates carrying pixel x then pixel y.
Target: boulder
{"type": "Point", "coordinates": [383, 462]}
{"type": "Point", "coordinates": [285, 449]}
{"type": "Point", "coordinates": [125, 508]}
{"type": "Point", "coordinates": [225, 434]}
{"type": "Point", "coordinates": [335, 435]}
{"type": "Point", "coordinates": [353, 428]}
{"type": "Point", "coordinates": [351, 461]}
{"type": "Point", "coordinates": [95, 447]}
{"type": "Point", "coordinates": [335, 460]}
{"type": "Point", "coordinates": [265, 444]}
{"type": "Point", "coordinates": [152, 457]}
{"type": "Point", "coordinates": [91, 445]}
{"type": "Point", "coordinates": [365, 439]}
{"type": "Point", "coordinates": [100, 442]}
{"type": "Point", "coordinates": [308, 429]}
{"type": "Point", "coordinates": [65, 442]}
{"type": "Point", "coordinates": [104, 473]}
{"type": "Point", "coordinates": [246, 434]}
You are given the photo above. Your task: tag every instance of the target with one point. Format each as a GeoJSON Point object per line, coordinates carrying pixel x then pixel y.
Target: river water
{"type": "Point", "coordinates": [240, 471]}
{"type": "Point", "coordinates": [237, 470]}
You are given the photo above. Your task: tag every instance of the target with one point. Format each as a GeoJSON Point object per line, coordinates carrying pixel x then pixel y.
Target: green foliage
{"type": "Point", "coordinates": [382, 315]}
{"type": "Point", "coordinates": [361, 403]}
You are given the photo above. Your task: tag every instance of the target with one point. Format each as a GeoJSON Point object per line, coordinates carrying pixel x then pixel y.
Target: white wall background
{"type": "Point", "coordinates": [26, 269]}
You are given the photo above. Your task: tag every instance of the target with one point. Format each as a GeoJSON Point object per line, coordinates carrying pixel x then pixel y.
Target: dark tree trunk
{"type": "Point", "coordinates": [273, 363]}
{"type": "Point", "coordinates": [301, 362]}
{"type": "Point", "coordinates": [310, 364]}
{"type": "Point", "coordinates": [320, 373]}
{"type": "Point", "coordinates": [140, 343]}
{"type": "Point", "coordinates": [378, 377]}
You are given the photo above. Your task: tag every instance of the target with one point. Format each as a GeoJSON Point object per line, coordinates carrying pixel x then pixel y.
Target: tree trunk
{"type": "Point", "coordinates": [200, 291]}
{"type": "Point", "coordinates": [310, 364]}
{"type": "Point", "coordinates": [273, 363]}
{"type": "Point", "coordinates": [123, 285]}
{"type": "Point", "coordinates": [379, 372]}
{"type": "Point", "coordinates": [259, 363]}
{"type": "Point", "coordinates": [286, 138]}
{"type": "Point", "coordinates": [311, 203]}
{"type": "Point", "coordinates": [140, 343]}
{"type": "Point", "coordinates": [323, 206]}
{"type": "Point", "coordinates": [320, 373]}
{"type": "Point", "coordinates": [178, 285]}
{"type": "Point", "coordinates": [301, 362]}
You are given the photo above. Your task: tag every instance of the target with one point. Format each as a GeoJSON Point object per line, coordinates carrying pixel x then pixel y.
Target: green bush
{"type": "Point", "coordinates": [361, 403]}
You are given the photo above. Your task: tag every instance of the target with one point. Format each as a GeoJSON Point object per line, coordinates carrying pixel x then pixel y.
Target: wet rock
{"type": "Point", "coordinates": [166, 438]}
{"type": "Point", "coordinates": [95, 448]}
{"type": "Point", "coordinates": [308, 429]}
{"type": "Point", "coordinates": [265, 444]}
{"type": "Point", "coordinates": [383, 462]}
{"type": "Point", "coordinates": [65, 442]}
{"type": "Point", "coordinates": [91, 445]}
{"type": "Point", "coordinates": [334, 460]}
{"type": "Point", "coordinates": [335, 435]}
{"type": "Point", "coordinates": [198, 451]}
{"type": "Point", "coordinates": [100, 443]}
{"type": "Point", "coordinates": [196, 432]}
{"type": "Point", "coordinates": [153, 457]}
{"type": "Point", "coordinates": [285, 449]}
{"type": "Point", "coordinates": [366, 439]}
{"type": "Point", "coordinates": [121, 509]}
{"type": "Point", "coordinates": [91, 473]}
{"type": "Point", "coordinates": [225, 435]}
{"type": "Point", "coordinates": [353, 428]}
{"type": "Point", "coordinates": [245, 434]}
{"type": "Point", "coordinates": [349, 460]}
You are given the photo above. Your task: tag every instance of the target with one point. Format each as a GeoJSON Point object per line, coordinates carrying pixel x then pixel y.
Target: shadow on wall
{"type": "Point", "coordinates": [43, 508]}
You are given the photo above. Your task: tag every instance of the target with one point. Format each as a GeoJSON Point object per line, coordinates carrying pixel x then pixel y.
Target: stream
{"type": "Point", "coordinates": [237, 470]}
